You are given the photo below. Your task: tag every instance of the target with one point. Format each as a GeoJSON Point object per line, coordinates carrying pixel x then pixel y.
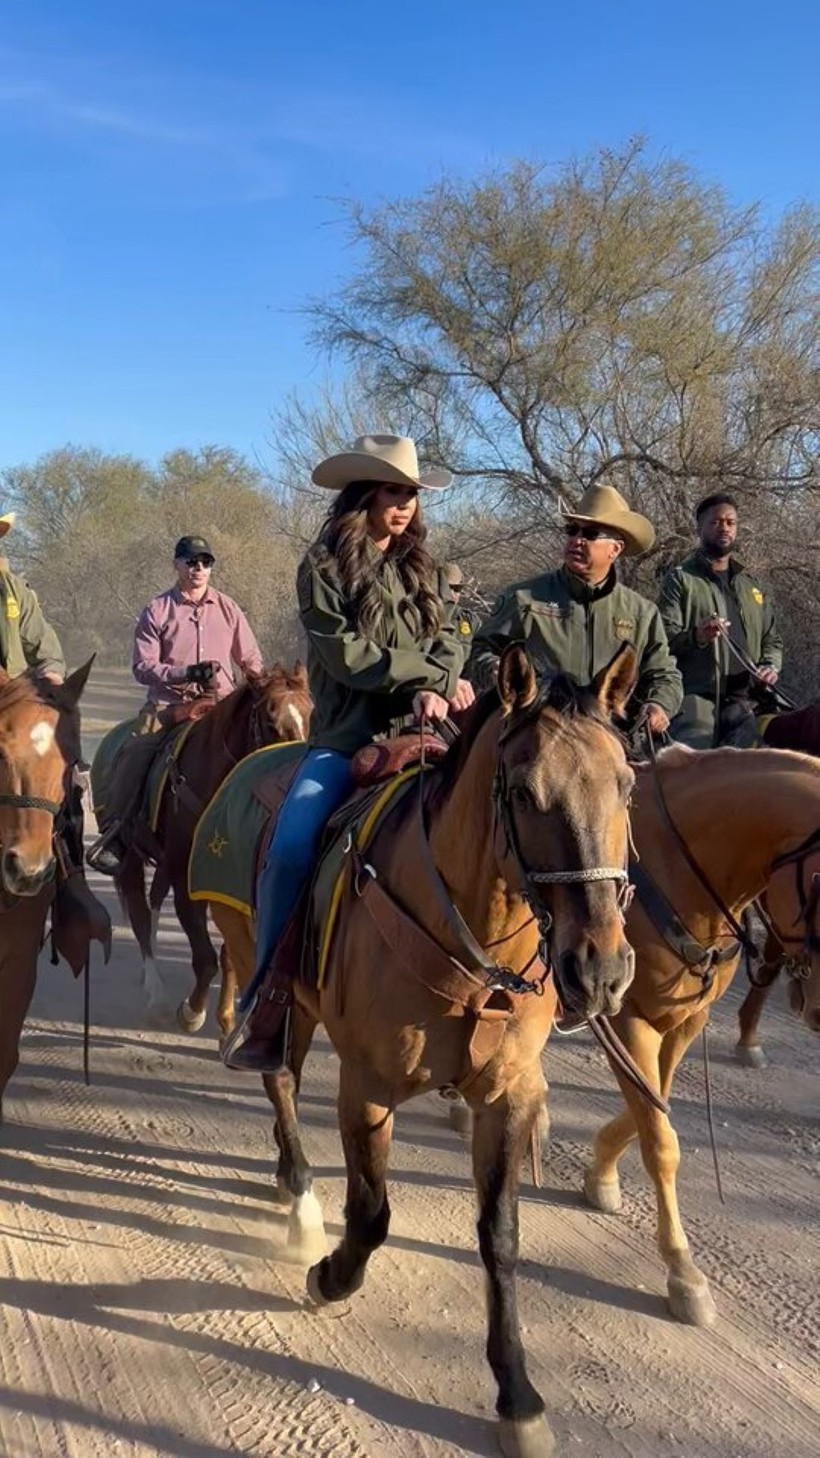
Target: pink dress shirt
{"type": "Point", "coordinates": [173, 632]}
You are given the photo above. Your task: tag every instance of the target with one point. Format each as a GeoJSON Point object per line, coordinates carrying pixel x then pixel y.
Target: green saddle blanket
{"type": "Point", "coordinates": [228, 840]}
{"type": "Point", "coordinates": [169, 745]}
{"type": "Point", "coordinates": [225, 847]}
{"type": "Point", "coordinates": [103, 762]}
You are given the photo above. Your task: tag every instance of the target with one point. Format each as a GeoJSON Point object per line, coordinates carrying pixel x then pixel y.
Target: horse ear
{"type": "Point", "coordinates": [73, 686]}
{"type": "Point", "coordinates": [613, 685]}
{"type": "Point", "coordinates": [300, 673]}
{"type": "Point", "coordinates": [517, 683]}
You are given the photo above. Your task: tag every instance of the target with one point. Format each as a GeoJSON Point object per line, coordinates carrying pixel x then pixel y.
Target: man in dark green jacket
{"type": "Point", "coordinates": [575, 619]}
{"type": "Point", "coordinates": [705, 602]}
{"type": "Point", "coordinates": [27, 641]}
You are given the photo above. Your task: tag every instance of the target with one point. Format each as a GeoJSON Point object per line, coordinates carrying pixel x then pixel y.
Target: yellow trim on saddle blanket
{"type": "Point", "coordinates": [176, 750]}
{"type": "Point", "coordinates": [363, 837]}
{"type": "Point", "coordinates": [761, 724]}
{"type": "Point", "coordinates": [224, 899]}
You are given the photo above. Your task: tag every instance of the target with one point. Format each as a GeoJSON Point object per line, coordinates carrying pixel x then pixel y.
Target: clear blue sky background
{"type": "Point", "coordinates": [168, 170]}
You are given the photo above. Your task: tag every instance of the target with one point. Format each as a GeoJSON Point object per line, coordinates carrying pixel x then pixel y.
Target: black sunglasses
{"type": "Point", "coordinates": [199, 561]}
{"type": "Point", "coordinates": [589, 534]}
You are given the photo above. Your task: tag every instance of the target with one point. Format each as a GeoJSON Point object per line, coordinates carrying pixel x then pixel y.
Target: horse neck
{"type": "Point", "coordinates": [226, 728]}
{"type": "Point", "coordinates": [462, 842]}
{"type": "Point", "coordinates": [737, 810]}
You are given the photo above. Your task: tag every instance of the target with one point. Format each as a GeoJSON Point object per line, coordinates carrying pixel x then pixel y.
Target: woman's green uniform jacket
{"type": "Point", "coordinates": [363, 687]}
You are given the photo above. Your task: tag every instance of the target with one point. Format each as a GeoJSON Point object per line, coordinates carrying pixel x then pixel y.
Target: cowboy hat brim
{"type": "Point", "coordinates": [7, 522]}
{"type": "Point", "coordinates": [637, 531]}
{"type": "Point", "coordinates": [338, 471]}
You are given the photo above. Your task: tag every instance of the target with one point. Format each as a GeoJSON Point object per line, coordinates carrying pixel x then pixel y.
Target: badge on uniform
{"type": "Point", "coordinates": [757, 595]}
{"type": "Point", "coordinates": [624, 628]}
{"type": "Point", "coordinates": [464, 628]}
{"type": "Point", "coordinates": [12, 608]}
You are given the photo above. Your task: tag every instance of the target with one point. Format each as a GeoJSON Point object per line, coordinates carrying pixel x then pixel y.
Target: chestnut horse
{"type": "Point", "coordinates": [751, 821]}
{"type": "Point", "coordinates": [271, 708]}
{"type": "Point", "coordinates": [799, 730]}
{"type": "Point", "coordinates": [525, 831]}
{"type": "Point", "coordinates": [39, 741]}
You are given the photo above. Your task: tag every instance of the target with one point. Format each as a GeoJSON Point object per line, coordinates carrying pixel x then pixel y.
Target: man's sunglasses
{"type": "Point", "coordinates": [589, 534]}
{"type": "Point", "coordinates": [199, 561]}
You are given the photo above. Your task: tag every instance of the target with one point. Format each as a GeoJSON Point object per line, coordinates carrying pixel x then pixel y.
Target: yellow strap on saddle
{"type": "Point", "coordinates": [364, 835]}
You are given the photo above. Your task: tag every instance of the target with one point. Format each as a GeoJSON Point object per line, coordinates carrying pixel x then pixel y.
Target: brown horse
{"type": "Point", "coordinates": [798, 730]}
{"type": "Point", "coordinates": [274, 707]}
{"type": "Point", "coordinates": [39, 740]}
{"type": "Point", "coordinates": [751, 822]}
{"type": "Point", "coordinates": [528, 810]}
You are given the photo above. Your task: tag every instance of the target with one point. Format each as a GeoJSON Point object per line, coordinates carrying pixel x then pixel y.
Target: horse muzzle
{"type": "Point", "coordinates": [591, 982]}
{"type": "Point", "coordinates": [21, 877]}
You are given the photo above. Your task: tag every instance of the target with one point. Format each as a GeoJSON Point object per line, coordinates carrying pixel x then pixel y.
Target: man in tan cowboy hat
{"type": "Point", "coordinates": [574, 619]}
{"type": "Point", "coordinates": [27, 641]}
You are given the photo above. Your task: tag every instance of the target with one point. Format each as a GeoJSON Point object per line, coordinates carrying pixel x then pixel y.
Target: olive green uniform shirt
{"type": "Point", "coordinates": [364, 687]}
{"type": "Point", "coordinates": [26, 640]}
{"type": "Point", "coordinates": [690, 593]}
{"type": "Point", "coordinates": [573, 628]}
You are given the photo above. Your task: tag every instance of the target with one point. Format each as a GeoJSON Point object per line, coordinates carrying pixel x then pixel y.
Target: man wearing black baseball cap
{"type": "Point", "coordinates": [186, 643]}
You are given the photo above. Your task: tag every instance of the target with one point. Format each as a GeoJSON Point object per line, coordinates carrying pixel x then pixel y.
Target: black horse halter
{"type": "Point", "coordinates": [32, 802]}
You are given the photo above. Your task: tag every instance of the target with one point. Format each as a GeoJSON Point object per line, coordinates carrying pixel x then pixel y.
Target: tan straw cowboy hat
{"type": "Point", "coordinates": [7, 522]}
{"type": "Point", "coordinates": [389, 458]}
{"type": "Point", "coordinates": [604, 506]}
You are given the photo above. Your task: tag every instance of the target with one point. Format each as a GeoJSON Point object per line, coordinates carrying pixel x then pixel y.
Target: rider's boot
{"type": "Point", "coordinates": [260, 1043]}
{"type": "Point", "coordinates": [107, 853]}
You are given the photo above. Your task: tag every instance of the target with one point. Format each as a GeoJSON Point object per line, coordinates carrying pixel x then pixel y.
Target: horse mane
{"type": "Point", "coordinates": [27, 689]}
{"type": "Point", "coordinates": [558, 692]}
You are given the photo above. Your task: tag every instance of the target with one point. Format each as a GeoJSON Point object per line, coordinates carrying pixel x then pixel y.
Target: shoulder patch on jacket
{"type": "Point", "coordinates": [757, 595]}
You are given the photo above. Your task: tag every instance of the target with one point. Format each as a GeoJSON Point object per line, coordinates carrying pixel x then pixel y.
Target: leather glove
{"type": "Point", "coordinates": [200, 672]}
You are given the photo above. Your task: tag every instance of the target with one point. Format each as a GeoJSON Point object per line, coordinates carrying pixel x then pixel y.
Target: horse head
{"type": "Point", "coordinates": [39, 740]}
{"type": "Point", "coordinates": [283, 703]}
{"type": "Point", "coordinates": [562, 792]}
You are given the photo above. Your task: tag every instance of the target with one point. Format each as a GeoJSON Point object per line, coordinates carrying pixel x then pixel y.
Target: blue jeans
{"type": "Point", "coordinates": [322, 781]}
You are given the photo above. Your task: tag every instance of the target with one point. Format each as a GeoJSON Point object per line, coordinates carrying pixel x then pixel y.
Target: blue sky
{"type": "Point", "coordinates": [169, 169]}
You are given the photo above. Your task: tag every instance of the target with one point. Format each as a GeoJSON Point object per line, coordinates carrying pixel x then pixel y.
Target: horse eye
{"type": "Point", "coordinates": [521, 796]}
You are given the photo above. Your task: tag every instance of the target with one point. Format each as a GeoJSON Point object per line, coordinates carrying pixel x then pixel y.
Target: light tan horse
{"type": "Point", "coordinates": [39, 740]}
{"type": "Point", "coordinates": [529, 810]}
{"type": "Point", "coordinates": [752, 822]}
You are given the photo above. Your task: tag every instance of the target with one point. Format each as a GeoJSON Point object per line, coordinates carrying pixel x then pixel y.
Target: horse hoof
{"type": "Point", "coordinates": [280, 1193]}
{"type": "Point", "coordinates": [751, 1055]}
{"type": "Point", "coordinates": [188, 1020]}
{"type": "Point", "coordinates": [313, 1288]}
{"type": "Point", "coordinates": [690, 1300]}
{"type": "Point", "coordinates": [459, 1116]}
{"type": "Point", "coordinates": [604, 1195]}
{"type": "Point", "coordinates": [526, 1438]}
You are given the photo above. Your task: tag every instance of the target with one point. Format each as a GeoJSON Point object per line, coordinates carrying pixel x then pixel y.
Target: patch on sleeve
{"type": "Point", "coordinates": [757, 595]}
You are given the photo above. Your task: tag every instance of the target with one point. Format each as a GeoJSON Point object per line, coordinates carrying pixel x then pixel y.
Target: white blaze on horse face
{"type": "Point", "coordinates": [42, 737]}
{"type": "Point", "coordinates": [293, 716]}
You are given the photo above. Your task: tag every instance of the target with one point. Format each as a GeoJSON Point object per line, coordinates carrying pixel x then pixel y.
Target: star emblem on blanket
{"type": "Point", "coordinates": [217, 845]}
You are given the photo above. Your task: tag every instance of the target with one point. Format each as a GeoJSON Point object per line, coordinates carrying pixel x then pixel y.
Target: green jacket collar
{"type": "Point", "coordinates": [581, 592]}
{"type": "Point", "coordinates": [700, 565]}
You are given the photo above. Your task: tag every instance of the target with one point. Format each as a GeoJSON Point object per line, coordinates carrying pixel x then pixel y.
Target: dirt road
{"type": "Point", "coordinates": [148, 1309]}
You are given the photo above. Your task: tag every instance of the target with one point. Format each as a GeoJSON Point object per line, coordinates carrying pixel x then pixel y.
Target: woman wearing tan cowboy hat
{"type": "Point", "coordinates": [381, 645]}
{"type": "Point", "coordinates": [575, 618]}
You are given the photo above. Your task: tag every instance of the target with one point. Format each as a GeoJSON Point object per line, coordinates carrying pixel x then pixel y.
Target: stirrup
{"type": "Point", "coordinates": [245, 1053]}
{"type": "Point", "coordinates": [100, 846]}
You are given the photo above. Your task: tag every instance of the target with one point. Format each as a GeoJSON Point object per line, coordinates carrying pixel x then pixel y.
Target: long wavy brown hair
{"type": "Point", "coordinates": [343, 539]}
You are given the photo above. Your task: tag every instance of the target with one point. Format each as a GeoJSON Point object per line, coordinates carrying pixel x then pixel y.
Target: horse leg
{"type": "Point", "coordinates": [658, 1055]}
{"type": "Point", "coordinates": [294, 1176]}
{"type": "Point", "coordinates": [366, 1129]}
{"type": "Point", "coordinates": [501, 1135]}
{"type": "Point", "coordinates": [130, 885]}
{"type": "Point", "coordinates": [748, 1048]}
{"type": "Point", "coordinates": [193, 918]}
{"type": "Point", "coordinates": [226, 1007]}
{"type": "Point", "coordinates": [602, 1184]}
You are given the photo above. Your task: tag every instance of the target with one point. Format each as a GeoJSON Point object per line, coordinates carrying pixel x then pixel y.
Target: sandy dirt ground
{"type": "Point", "coordinates": [149, 1308]}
